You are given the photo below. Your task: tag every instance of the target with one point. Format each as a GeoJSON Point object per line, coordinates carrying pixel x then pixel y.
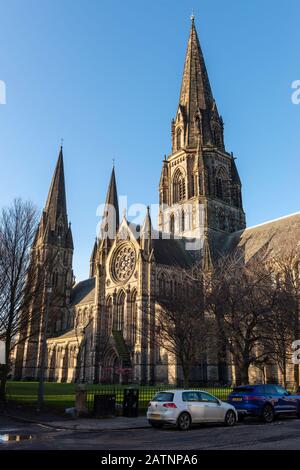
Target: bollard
{"type": "Point", "coordinates": [80, 400]}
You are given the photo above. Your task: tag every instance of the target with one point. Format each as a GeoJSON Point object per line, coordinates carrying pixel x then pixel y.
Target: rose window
{"type": "Point", "coordinates": [123, 263]}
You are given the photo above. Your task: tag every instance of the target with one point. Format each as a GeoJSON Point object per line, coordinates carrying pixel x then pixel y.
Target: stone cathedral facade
{"type": "Point", "coordinates": [102, 329]}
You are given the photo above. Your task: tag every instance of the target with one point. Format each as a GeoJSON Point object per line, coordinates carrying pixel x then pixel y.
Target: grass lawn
{"type": "Point", "coordinates": [61, 395]}
{"type": "Point", "coordinates": [56, 394]}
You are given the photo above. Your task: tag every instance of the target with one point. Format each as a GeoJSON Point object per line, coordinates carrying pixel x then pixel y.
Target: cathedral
{"type": "Point", "coordinates": [101, 329]}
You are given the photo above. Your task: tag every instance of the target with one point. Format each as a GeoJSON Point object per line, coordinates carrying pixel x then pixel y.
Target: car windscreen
{"type": "Point", "coordinates": [163, 396]}
{"type": "Point", "coordinates": [242, 390]}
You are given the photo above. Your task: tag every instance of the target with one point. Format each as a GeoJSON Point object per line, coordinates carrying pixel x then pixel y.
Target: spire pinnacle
{"type": "Point", "coordinates": [56, 204]}
{"type": "Point", "coordinates": [195, 82]}
{"type": "Point", "coordinates": [112, 195]}
{"type": "Point", "coordinates": [93, 259]}
{"type": "Point", "coordinates": [148, 223]}
{"type": "Point", "coordinates": [147, 232]}
{"type": "Point", "coordinates": [110, 222]}
{"type": "Point", "coordinates": [207, 262]}
{"type": "Point", "coordinates": [195, 95]}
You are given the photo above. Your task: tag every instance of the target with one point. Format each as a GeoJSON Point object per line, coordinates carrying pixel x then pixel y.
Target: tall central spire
{"type": "Point", "coordinates": [195, 89]}
{"type": "Point", "coordinates": [199, 183]}
{"type": "Point", "coordinates": [197, 111]}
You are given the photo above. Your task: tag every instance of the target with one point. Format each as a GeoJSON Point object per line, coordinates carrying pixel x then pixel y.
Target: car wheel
{"type": "Point", "coordinates": [230, 418]}
{"type": "Point", "coordinates": [184, 422]}
{"type": "Point", "coordinates": [156, 425]}
{"type": "Point", "coordinates": [268, 414]}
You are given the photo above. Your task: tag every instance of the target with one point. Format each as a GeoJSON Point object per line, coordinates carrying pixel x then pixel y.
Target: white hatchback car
{"type": "Point", "coordinates": [185, 407]}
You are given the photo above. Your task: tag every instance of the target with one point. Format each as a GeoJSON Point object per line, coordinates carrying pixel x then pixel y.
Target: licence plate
{"type": "Point", "coordinates": [155, 416]}
{"type": "Point", "coordinates": [237, 399]}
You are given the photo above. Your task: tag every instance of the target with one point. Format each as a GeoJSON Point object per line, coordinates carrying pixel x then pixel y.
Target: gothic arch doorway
{"type": "Point", "coordinates": [111, 367]}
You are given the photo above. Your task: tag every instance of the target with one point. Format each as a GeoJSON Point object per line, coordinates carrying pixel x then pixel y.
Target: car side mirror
{"type": "Point", "coordinates": [219, 403]}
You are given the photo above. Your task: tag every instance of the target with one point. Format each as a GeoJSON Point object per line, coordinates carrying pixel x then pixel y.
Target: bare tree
{"type": "Point", "coordinates": [181, 326]}
{"type": "Point", "coordinates": [284, 324]}
{"type": "Point", "coordinates": [255, 307]}
{"type": "Point", "coordinates": [240, 296]}
{"type": "Point", "coordinates": [279, 332]}
{"type": "Point", "coordinates": [18, 225]}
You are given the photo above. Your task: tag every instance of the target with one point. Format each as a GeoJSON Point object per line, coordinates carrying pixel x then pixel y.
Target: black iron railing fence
{"type": "Point", "coordinates": [147, 393]}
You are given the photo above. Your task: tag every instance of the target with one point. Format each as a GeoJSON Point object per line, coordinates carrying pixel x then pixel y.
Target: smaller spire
{"type": "Point", "coordinates": [93, 259]}
{"type": "Point", "coordinates": [56, 204]}
{"type": "Point", "coordinates": [110, 222]}
{"type": "Point", "coordinates": [148, 217]}
{"type": "Point", "coordinates": [207, 263]}
{"type": "Point", "coordinates": [147, 232]}
{"type": "Point", "coordinates": [148, 221]}
{"type": "Point", "coordinates": [164, 174]}
{"type": "Point", "coordinates": [69, 238]}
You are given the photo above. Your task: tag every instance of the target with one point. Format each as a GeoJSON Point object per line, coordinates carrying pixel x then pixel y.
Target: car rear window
{"type": "Point", "coordinates": [242, 390]}
{"type": "Point", "coordinates": [164, 396]}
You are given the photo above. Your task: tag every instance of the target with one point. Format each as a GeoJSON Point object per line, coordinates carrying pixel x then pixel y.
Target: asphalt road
{"type": "Point", "coordinates": [281, 435]}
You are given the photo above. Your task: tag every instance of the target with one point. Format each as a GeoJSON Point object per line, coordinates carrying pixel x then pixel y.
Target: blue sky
{"type": "Point", "coordinates": [105, 76]}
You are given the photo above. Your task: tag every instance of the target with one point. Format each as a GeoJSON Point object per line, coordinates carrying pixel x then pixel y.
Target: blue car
{"type": "Point", "coordinates": [264, 401]}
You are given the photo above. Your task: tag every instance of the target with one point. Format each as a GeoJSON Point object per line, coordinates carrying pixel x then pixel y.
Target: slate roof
{"type": "Point", "coordinates": [271, 239]}
{"type": "Point", "coordinates": [167, 251]}
{"type": "Point", "coordinates": [172, 252]}
{"type": "Point", "coordinates": [83, 292]}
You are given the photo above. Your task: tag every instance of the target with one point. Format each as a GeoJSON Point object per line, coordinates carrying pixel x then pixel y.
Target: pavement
{"type": "Point", "coordinates": [76, 424]}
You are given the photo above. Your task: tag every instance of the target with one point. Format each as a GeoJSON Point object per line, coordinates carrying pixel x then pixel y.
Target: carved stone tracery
{"type": "Point", "coordinates": [123, 262]}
